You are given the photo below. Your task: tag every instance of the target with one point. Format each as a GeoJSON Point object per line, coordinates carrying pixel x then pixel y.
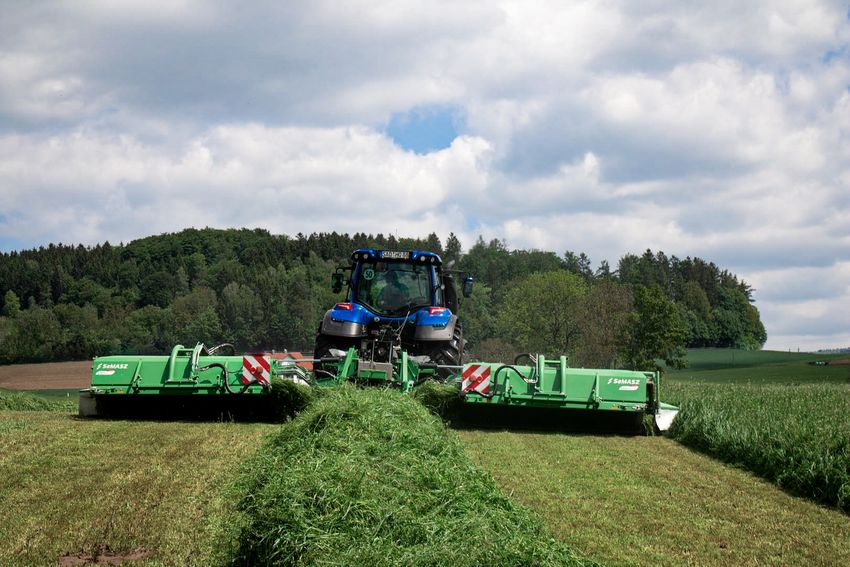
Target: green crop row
{"type": "Point", "coordinates": [797, 436]}
{"type": "Point", "coordinates": [371, 477]}
{"type": "Point", "coordinates": [24, 401]}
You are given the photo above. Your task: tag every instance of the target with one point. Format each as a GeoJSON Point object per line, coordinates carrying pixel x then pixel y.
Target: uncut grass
{"type": "Point", "coordinates": [797, 436]}
{"type": "Point", "coordinates": [371, 477]}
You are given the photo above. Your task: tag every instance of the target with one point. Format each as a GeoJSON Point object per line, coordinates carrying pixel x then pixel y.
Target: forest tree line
{"type": "Point", "coordinates": [261, 291]}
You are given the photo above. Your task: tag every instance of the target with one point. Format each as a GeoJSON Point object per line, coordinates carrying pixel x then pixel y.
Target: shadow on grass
{"type": "Point", "coordinates": [443, 400]}
{"type": "Point", "coordinates": [283, 402]}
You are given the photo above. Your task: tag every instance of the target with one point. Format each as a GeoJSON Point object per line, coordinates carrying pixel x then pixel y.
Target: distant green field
{"type": "Point", "coordinates": [715, 358]}
{"type": "Point", "coordinates": [740, 366]}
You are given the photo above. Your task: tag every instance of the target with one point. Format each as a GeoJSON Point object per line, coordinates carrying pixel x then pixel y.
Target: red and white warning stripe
{"type": "Point", "coordinates": [256, 368]}
{"type": "Point", "coordinates": [476, 377]}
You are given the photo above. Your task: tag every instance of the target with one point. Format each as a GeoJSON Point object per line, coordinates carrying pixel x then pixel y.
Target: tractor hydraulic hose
{"type": "Point", "coordinates": [224, 377]}
{"type": "Point", "coordinates": [528, 355]}
{"type": "Point", "coordinates": [216, 348]}
{"type": "Point", "coordinates": [525, 379]}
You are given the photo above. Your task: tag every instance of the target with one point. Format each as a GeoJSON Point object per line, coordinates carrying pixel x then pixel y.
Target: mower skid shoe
{"type": "Point", "coordinates": [665, 416]}
{"type": "Point", "coordinates": [88, 404]}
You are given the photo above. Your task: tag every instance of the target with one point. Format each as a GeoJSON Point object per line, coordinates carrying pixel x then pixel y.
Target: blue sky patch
{"type": "Point", "coordinates": [834, 54]}
{"type": "Point", "coordinates": [9, 244]}
{"type": "Point", "coordinates": [426, 129]}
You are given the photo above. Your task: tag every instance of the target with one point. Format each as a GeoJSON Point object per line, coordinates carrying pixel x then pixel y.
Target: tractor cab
{"type": "Point", "coordinates": [396, 286]}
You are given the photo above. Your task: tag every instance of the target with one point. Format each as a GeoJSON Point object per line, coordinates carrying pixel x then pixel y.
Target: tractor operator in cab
{"type": "Point", "coordinates": [395, 294]}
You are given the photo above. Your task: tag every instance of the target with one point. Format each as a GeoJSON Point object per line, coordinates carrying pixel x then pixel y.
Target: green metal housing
{"type": "Point", "coordinates": [552, 383]}
{"type": "Point", "coordinates": [177, 374]}
{"type": "Point", "coordinates": [187, 383]}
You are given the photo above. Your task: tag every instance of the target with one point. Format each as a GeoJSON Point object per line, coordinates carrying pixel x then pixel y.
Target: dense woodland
{"type": "Point", "coordinates": [263, 291]}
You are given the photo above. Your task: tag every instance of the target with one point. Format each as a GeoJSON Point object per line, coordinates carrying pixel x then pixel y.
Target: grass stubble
{"type": "Point", "coordinates": [85, 488]}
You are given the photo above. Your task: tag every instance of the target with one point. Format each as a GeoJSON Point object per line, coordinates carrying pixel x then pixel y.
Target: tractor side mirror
{"type": "Point", "coordinates": [337, 282]}
{"type": "Point", "coordinates": [467, 286]}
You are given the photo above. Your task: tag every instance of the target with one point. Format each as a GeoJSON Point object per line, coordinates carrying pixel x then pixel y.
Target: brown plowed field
{"type": "Point", "coordinates": [46, 376]}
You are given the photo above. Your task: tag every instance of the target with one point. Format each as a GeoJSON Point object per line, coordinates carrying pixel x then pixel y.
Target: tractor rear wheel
{"type": "Point", "coordinates": [324, 344]}
{"type": "Point", "coordinates": [449, 353]}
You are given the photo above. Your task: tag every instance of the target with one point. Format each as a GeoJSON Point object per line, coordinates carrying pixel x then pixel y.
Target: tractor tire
{"type": "Point", "coordinates": [324, 344]}
{"type": "Point", "coordinates": [449, 353]}
{"type": "Point", "coordinates": [322, 349]}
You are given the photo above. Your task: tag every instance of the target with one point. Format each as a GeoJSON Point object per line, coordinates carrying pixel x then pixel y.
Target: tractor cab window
{"type": "Point", "coordinates": [393, 288]}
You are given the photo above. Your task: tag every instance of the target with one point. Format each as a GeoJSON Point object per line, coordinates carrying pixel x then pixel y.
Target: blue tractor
{"type": "Point", "coordinates": [395, 300]}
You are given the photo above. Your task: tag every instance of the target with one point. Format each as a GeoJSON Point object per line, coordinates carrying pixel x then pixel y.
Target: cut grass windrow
{"type": "Point", "coordinates": [24, 401]}
{"type": "Point", "coordinates": [797, 436]}
{"type": "Point", "coordinates": [370, 477]}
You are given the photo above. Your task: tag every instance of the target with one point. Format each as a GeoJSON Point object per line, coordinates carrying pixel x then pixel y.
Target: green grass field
{"type": "Point", "coordinates": [71, 487]}
{"type": "Point", "coordinates": [653, 501]}
{"type": "Point", "coordinates": [24, 401]}
{"type": "Point", "coordinates": [722, 358]}
{"type": "Point", "coordinates": [362, 476]}
{"type": "Point", "coordinates": [796, 435]}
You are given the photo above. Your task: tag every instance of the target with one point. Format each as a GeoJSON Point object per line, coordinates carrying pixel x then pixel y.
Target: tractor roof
{"type": "Point", "coordinates": [367, 254]}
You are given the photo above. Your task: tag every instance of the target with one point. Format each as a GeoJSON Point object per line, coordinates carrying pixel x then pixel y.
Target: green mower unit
{"type": "Point", "coordinates": [199, 382]}
{"type": "Point", "coordinates": [191, 382]}
{"type": "Point", "coordinates": [544, 388]}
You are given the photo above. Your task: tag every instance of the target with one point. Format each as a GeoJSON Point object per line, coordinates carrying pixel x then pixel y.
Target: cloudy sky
{"type": "Point", "coordinates": [719, 130]}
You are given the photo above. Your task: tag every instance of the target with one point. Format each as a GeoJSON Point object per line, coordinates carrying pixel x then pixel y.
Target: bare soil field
{"type": "Point", "coordinates": [46, 376]}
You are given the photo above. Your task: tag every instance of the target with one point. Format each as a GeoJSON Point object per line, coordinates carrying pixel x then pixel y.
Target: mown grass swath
{"type": "Point", "coordinates": [24, 401]}
{"type": "Point", "coordinates": [371, 477]}
{"type": "Point", "coordinates": [795, 435]}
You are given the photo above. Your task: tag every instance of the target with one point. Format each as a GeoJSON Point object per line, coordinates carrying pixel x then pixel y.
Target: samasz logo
{"type": "Point", "coordinates": [625, 384]}
{"type": "Point", "coordinates": [113, 366]}
{"type": "Point", "coordinates": [625, 381]}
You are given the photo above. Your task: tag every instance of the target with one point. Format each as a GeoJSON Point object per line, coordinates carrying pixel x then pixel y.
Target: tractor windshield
{"type": "Point", "coordinates": [393, 288]}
